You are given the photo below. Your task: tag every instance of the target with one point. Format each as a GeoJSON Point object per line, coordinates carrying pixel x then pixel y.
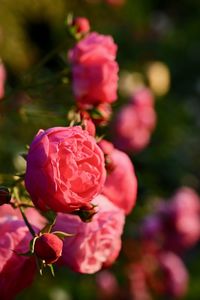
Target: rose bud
{"type": "Point", "coordinates": [87, 123]}
{"type": "Point", "coordinates": [48, 247]}
{"type": "Point", "coordinates": [101, 114]}
{"type": "Point", "coordinates": [81, 25]}
{"type": "Point", "coordinates": [5, 196]}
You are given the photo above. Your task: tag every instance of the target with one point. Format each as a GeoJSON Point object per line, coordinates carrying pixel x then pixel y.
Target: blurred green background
{"type": "Point", "coordinates": [34, 43]}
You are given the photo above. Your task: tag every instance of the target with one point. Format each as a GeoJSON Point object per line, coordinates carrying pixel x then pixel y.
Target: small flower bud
{"type": "Point", "coordinates": [82, 25]}
{"type": "Point", "coordinates": [48, 247]}
{"type": "Point", "coordinates": [86, 213]}
{"type": "Point", "coordinates": [101, 114]}
{"type": "Point", "coordinates": [87, 123]}
{"type": "Point", "coordinates": [5, 196]}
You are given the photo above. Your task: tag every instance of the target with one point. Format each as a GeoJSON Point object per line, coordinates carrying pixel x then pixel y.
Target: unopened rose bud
{"type": "Point", "coordinates": [5, 196]}
{"type": "Point", "coordinates": [48, 247]}
{"type": "Point", "coordinates": [87, 123]}
{"type": "Point", "coordinates": [101, 114]}
{"type": "Point", "coordinates": [86, 213]}
{"type": "Point", "coordinates": [82, 25]}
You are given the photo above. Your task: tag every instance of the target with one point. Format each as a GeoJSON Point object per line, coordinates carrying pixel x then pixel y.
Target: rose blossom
{"type": "Point", "coordinates": [107, 285]}
{"type": "Point", "coordinates": [183, 219]}
{"type": "Point", "coordinates": [135, 122]}
{"type": "Point", "coordinates": [94, 70]}
{"type": "Point", "coordinates": [65, 169]}
{"type": "Point", "coordinates": [95, 244]}
{"type": "Point", "coordinates": [175, 223]}
{"type": "Point", "coordinates": [16, 272]}
{"type": "Point", "coordinates": [175, 276]}
{"type": "Point", "coordinates": [121, 183]}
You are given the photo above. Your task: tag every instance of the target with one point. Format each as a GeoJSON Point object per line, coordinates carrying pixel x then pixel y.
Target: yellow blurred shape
{"type": "Point", "coordinates": [129, 82]}
{"type": "Point", "coordinates": [158, 75]}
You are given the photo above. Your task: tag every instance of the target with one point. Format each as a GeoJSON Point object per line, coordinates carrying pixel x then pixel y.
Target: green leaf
{"type": "Point", "coordinates": [52, 270]}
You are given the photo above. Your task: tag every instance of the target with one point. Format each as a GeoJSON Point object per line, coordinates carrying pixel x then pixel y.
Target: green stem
{"type": "Point", "coordinates": [27, 222]}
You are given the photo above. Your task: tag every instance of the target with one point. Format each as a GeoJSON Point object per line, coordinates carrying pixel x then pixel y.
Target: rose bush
{"type": "Point", "coordinates": [94, 70]}
{"type": "Point", "coordinates": [135, 122]}
{"type": "Point", "coordinates": [65, 169]}
{"type": "Point", "coordinates": [95, 244]}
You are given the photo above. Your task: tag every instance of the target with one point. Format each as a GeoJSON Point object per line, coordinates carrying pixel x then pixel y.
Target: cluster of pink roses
{"type": "Point", "coordinates": [176, 223]}
{"type": "Point", "coordinates": [155, 265]}
{"type": "Point", "coordinates": [135, 122]}
{"type": "Point", "coordinates": [90, 186]}
{"type": "Point", "coordinates": [173, 228]}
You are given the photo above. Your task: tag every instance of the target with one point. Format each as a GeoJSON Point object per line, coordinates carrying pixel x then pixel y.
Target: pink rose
{"type": "Point", "coordinates": [34, 217]}
{"type": "Point", "coordinates": [174, 274]}
{"type": "Point", "coordinates": [135, 122]}
{"type": "Point", "coordinates": [121, 183]}
{"type": "Point", "coordinates": [16, 272]}
{"type": "Point", "coordinates": [107, 285]}
{"type": "Point", "coordinates": [2, 79]}
{"type": "Point", "coordinates": [176, 223]}
{"type": "Point", "coordinates": [95, 243]}
{"type": "Point", "coordinates": [94, 70]}
{"type": "Point", "coordinates": [184, 217]}
{"type": "Point", "coordinates": [65, 169]}
{"type": "Point", "coordinates": [143, 97]}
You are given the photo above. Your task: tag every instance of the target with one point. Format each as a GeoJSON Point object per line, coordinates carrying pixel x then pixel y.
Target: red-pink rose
{"type": "Point", "coordinates": [175, 223]}
{"type": "Point", "coordinates": [93, 244]}
{"type": "Point", "coordinates": [175, 275]}
{"type": "Point", "coordinates": [184, 216]}
{"type": "Point", "coordinates": [121, 183]}
{"type": "Point", "coordinates": [135, 122]}
{"type": "Point", "coordinates": [2, 79]}
{"type": "Point", "coordinates": [65, 169]}
{"type": "Point", "coordinates": [16, 272]}
{"type": "Point", "coordinates": [94, 70]}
